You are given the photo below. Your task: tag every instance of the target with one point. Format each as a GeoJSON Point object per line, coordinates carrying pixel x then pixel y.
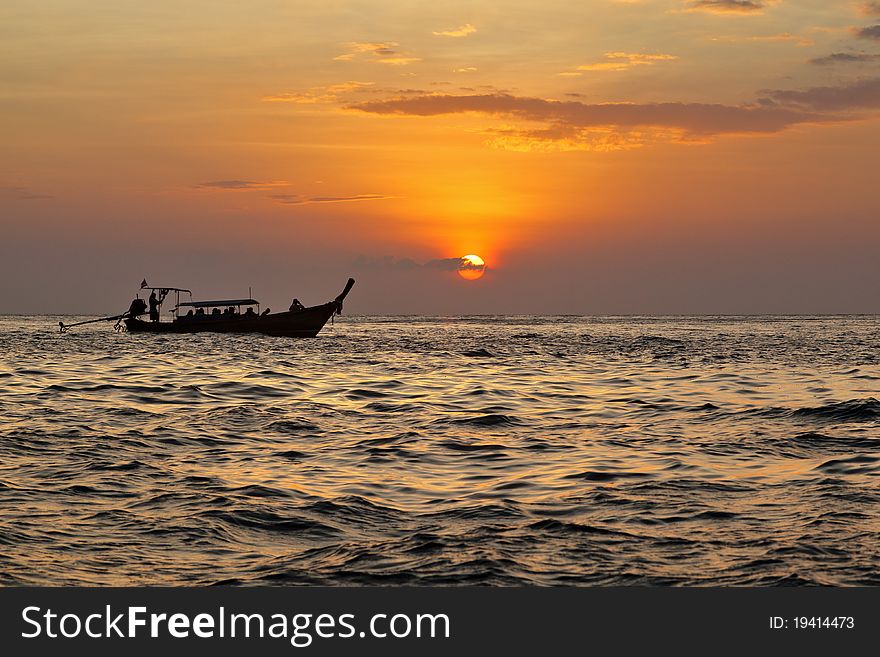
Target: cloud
{"type": "Point", "coordinates": [781, 38]}
{"type": "Point", "coordinates": [692, 117]}
{"type": "Point", "coordinates": [314, 95]}
{"type": "Point", "coordinates": [359, 47]}
{"type": "Point", "coordinates": [622, 61]}
{"type": "Point", "coordinates": [728, 6]}
{"type": "Point", "coordinates": [871, 8]}
{"type": "Point", "coordinates": [844, 58]}
{"type": "Point", "coordinates": [463, 31]}
{"type": "Point", "coordinates": [399, 61]}
{"type": "Point", "coordinates": [466, 69]}
{"type": "Point", "coordinates": [21, 194]}
{"type": "Point", "coordinates": [871, 32]}
{"type": "Point", "coordinates": [543, 124]}
{"type": "Point", "coordinates": [447, 264]}
{"type": "Point", "coordinates": [296, 199]}
{"type": "Point", "coordinates": [382, 52]}
{"type": "Point", "coordinates": [860, 95]}
{"type": "Point", "coordinates": [242, 184]}
{"type": "Point", "coordinates": [408, 264]}
{"type": "Point", "coordinates": [558, 138]}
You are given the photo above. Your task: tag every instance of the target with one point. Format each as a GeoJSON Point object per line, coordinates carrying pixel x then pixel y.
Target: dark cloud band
{"type": "Point", "coordinates": [872, 32]}
{"type": "Point", "coordinates": [844, 58]}
{"type": "Point", "coordinates": [775, 111]}
{"type": "Point", "coordinates": [728, 6]}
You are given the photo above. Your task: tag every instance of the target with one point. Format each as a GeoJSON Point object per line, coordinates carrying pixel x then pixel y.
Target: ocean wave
{"type": "Point", "coordinates": [292, 426]}
{"type": "Point", "coordinates": [486, 420]}
{"type": "Point", "coordinates": [860, 464]}
{"type": "Point", "coordinates": [269, 521]}
{"type": "Point", "coordinates": [853, 410]}
{"type": "Point", "coordinates": [478, 353]}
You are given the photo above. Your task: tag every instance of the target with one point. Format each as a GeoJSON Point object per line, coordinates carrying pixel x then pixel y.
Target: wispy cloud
{"type": "Point", "coordinates": [622, 61]}
{"type": "Point", "coordinates": [871, 8]}
{"type": "Point", "coordinates": [242, 184]}
{"type": "Point", "coordinates": [844, 58]}
{"type": "Point", "coordinates": [382, 52]}
{"type": "Point", "coordinates": [409, 264]}
{"type": "Point", "coordinates": [314, 95]}
{"type": "Point", "coordinates": [728, 6]}
{"type": "Point", "coordinates": [463, 31]}
{"type": "Point", "coordinates": [562, 138]}
{"type": "Point", "coordinates": [400, 60]}
{"type": "Point", "coordinates": [296, 199]}
{"type": "Point", "coordinates": [857, 96]}
{"type": "Point", "coordinates": [19, 193]}
{"type": "Point", "coordinates": [693, 117]}
{"type": "Point", "coordinates": [465, 69]}
{"type": "Point", "coordinates": [572, 125]}
{"type": "Point", "coordinates": [360, 47]}
{"type": "Point", "coordinates": [871, 32]}
{"type": "Point", "coordinates": [782, 37]}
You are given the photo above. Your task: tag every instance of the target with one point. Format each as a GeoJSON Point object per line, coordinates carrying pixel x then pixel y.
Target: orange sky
{"type": "Point", "coordinates": [654, 156]}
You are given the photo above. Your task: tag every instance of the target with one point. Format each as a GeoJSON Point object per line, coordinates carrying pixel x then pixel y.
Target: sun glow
{"type": "Point", "coordinates": [472, 267]}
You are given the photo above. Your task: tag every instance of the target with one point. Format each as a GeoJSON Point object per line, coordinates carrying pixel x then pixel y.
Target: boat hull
{"type": "Point", "coordinates": [306, 323]}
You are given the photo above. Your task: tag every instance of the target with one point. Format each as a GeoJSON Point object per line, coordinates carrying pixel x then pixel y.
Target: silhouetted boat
{"type": "Point", "coordinates": [224, 316]}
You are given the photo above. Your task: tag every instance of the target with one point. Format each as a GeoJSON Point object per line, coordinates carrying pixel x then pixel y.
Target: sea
{"type": "Point", "coordinates": [484, 450]}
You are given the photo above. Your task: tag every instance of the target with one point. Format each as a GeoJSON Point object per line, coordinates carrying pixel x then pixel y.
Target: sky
{"type": "Point", "coordinates": [602, 157]}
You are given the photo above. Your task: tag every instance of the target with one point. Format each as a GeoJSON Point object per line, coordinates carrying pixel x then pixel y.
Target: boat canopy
{"type": "Point", "coordinates": [167, 289]}
{"type": "Point", "coordinates": [222, 302]}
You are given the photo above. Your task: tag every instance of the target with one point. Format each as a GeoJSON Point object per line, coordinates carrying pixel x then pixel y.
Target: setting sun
{"type": "Point", "coordinates": [472, 267]}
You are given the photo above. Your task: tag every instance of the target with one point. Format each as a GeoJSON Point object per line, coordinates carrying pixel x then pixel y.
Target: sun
{"type": "Point", "coordinates": [472, 267]}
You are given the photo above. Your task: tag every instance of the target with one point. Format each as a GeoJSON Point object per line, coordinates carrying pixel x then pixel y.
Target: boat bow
{"type": "Point", "coordinates": [338, 300]}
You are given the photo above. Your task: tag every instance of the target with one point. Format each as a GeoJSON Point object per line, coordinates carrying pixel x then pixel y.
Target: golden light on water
{"type": "Point", "coordinates": [472, 267]}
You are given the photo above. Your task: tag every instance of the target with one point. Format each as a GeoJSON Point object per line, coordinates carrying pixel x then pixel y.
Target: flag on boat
{"type": "Point", "coordinates": [143, 283]}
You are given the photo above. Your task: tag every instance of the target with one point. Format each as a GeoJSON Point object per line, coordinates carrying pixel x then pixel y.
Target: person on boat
{"type": "Point", "coordinates": [216, 311]}
{"type": "Point", "coordinates": [266, 312]}
{"type": "Point", "coordinates": [154, 307]}
{"type": "Point", "coordinates": [296, 305]}
{"type": "Point", "coordinates": [138, 307]}
{"type": "Point", "coordinates": [250, 312]}
{"type": "Point", "coordinates": [200, 312]}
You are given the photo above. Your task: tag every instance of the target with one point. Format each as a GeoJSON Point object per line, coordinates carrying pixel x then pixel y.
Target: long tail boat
{"type": "Point", "coordinates": [222, 315]}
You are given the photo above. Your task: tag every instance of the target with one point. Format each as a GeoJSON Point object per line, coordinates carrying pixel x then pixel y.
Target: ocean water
{"type": "Point", "coordinates": [444, 451]}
